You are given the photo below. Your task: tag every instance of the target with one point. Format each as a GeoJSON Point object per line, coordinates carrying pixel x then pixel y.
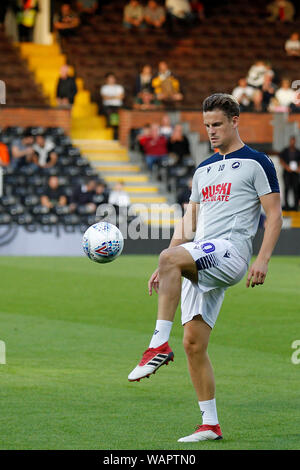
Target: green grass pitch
{"type": "Point", "coordinates": [74, 330]}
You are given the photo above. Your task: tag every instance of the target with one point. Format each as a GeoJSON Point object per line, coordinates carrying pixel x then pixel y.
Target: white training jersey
{"type": "Point", "coordinates": [228, 188]}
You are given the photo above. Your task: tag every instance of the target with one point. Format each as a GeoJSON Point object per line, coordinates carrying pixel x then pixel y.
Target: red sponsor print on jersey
{"type": "Point", "coordinates": [216, 192]}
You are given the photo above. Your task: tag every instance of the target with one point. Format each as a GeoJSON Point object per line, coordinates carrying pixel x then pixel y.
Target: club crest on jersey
{"type": "Point", "coordinates": [236, 165]}
{"type": "Point", "coordinates": [216, 192]}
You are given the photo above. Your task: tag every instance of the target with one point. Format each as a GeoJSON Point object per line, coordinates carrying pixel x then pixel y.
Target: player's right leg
{"type": "Point", "coordinates": [173, 264]}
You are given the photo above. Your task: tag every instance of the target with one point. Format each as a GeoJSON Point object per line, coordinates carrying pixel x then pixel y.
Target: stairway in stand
{"type": "Point", "coordinates": [45, 62]}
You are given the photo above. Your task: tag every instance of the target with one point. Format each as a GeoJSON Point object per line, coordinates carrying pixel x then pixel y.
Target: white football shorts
{"type": "Point", "coordinates": [219, 267]}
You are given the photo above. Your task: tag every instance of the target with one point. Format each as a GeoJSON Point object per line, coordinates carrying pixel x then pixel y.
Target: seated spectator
{"type": "Point", "coordinates": [154, 15]}
{"type": "Point", "coordinates": [119, 198]}
{"type": "Point", "coordinates": [133, 15]}
{"type": "Point", "coordinates": [166, 86]}
{"type": "Point", "coordinates": [87, 10]}
{"type": "Point", "coordinates": [155, 147]}
{"type": "Point", "coordinates": [256, 73]}
{"type": "Point", "coordinates": [166, 128]}
{"type": "Point", "coordinates": [112, 95]}
{"type": "Point", "coordinates": [83, 197]}
{"type": "Point", "coordinates": [268, 90]}
{"type": "Point", "coordinates": [25, 18]}
{"type": "Point", "coordinates": [144, 80]}
{"type": "Point", "coordinates": [179, 13]}
{"type": "Point", "coordinates": [66, 88]}
{"type": "Point", "coordinates": [197, 10]}
{"type": "Point", "coordinates": [67, 22]}
{"type": "Point", "coordinates": [101, 194]}
{"type": "Point", "coordinates": [284, 97]}
{"type": "Point", "coordinates": [53, 194]}
{"type": "Point", "coordinates": [243, 93]}
{"type": "Point", "coordinates": [146, 101]}
{"type": "Point", "coordinates": [4, 155]}
{"type": "Point", "coordinates": [183, 197]}
{"type": "Point", "coordinates": [22, 151]}
{"type": "Point", "coordinates": [292, 45]}
{"type": "Point", "coordinates": [142, 136]}
{"type": "Point", "coordinates": [178, 146]}
{"type": "Point", "coordinates": [281, 10]}
{"type": "Point", "coordinates": [44, 152]}
{"type": "Point", "coordinates": [290, 162]}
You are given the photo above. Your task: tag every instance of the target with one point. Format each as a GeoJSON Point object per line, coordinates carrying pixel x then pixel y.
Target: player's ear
{"type": "Point", "coordinates": [235, 121]}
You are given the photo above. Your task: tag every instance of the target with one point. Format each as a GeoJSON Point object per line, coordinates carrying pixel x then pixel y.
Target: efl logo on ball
{"type": "Point", "coordinates": [102, 242]}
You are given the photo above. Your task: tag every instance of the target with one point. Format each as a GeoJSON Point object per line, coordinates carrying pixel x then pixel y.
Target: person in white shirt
{"type": "Point", "coordinates": [179, 13]}
{"type": "Point", "coordinates": [243, 93]}
{"type": "Point", "coordinates": [112, 95]}
{"type": "Point", "coordinates": [285, 95]}
{"type": "Point", "coordinates": [44, 152]}
{"type": "Point", "coordinates": [257, 72]}
{"type": "Point", "coordinates": [292, 45]}
{"type": "Point", "coordinates": [120, 199]}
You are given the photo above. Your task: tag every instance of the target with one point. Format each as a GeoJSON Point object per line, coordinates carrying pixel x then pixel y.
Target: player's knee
{"type": "Point", "coordinates": [167, 259]}
{"type": "Point", "coordinates": [193, 346]}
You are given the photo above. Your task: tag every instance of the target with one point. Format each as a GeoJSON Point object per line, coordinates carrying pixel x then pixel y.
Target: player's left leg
{"type": "Point", "coordinates": [173, 264]}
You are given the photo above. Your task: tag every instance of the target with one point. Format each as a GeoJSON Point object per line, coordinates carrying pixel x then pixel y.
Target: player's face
{"type": "Point", "coordinates": [220, 129]}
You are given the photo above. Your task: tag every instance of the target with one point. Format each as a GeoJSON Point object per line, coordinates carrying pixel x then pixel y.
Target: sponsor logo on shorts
{"type": "Point", "coordinates": [216, 192]}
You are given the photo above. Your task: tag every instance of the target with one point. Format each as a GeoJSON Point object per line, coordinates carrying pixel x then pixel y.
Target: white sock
{"type": "Point", "coordinates": [161, 333]}
{"type": "Point", "coordinates": [209, 412]}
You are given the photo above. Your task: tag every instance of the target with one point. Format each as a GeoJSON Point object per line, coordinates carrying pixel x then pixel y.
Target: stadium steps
{"type": "Point", "coordinates": [45, 62]}
{"type": "Point", "coordinates": [114, 164]}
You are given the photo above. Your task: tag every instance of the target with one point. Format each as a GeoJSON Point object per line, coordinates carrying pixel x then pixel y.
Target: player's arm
{"type": "Point", "coordinates": [272, 207]}
{"type": "Point", "coordinates": [184, 232]}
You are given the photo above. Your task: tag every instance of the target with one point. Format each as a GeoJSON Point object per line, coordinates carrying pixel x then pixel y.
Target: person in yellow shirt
{"type": "Point", "coordinates": [26, 16]}
{"type": "Point", "coordinates": [166, 86]}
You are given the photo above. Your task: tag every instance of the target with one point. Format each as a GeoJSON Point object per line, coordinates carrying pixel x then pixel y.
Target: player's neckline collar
{"type": "Point", "coordinates": [231, 153]}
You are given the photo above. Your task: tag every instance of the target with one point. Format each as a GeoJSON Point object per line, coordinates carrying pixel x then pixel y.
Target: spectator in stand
{"type": "Point", "coordinates": [133, 15]}
{"type": "Point", "coordinates": [4, 155]}
{"type": "Point", "coordinates": [144, 79]}
{"type": "Point", "coordinates": [183, 197]}
{"type": "Point", "coordinates": [179, 13]}
{"type": "Point", "coordinates": [26, 15]}
{"type": "Point", "coordinates": [146, 101]}
{"type": "Point", "coordinates": [197, 10]}
{"type": "Point", "coordinates": [44, 152]}
{"type": "Point", "coordinates": [166, 85]}
{"type": "Point", "coordinates": [66, 88]}
{"type": "Point", "coordinates": [256, 73]}
{"type": "Point", "coordinates": [101, 193]}
{"type": "Point", "coordinates": [66, 24]}
{"type": "Point", "coordinates": [87, 10]}
{"type": "Point", "coordinates": [83, 197]}
{"type": "Point", "coordinates": [154, 15]}
{"type": "Point", "coordinates": [155, 147]}
{"type": "Point", "coordinates": [281, 10]}
{"type": "Point", "coordinates": [243, 93]}
{"type": "Point", "coordinates": [26, 11]}
{"type": "Point", "coordinates": [178, 146]}
{"type": "Point", "coordinates": [142, 136]}
{"type": "Point", "coordinates": [112, 95]}
{"type": "Point", "coordinates": [166, 128]}
{"type": "Point", "coordinates": [290, 161]}
{"type": "Point", "coordinates": [53, 195]}
{"type": "Point", "coordinates": [268, 90]}
{"type": "Point", "coordinates": [292, 45]}
{"type": "Point", "coordinates": [119, 198]}
{"type": "Point", "coordinates": [22, 151]}
{"type": "Point", "coordinates": [284, 97]}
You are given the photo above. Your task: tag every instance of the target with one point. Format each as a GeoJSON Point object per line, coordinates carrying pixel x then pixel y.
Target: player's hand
{"type": "Point", "coordinates": [257, 273]}
{"type": "Point", "coordinates": [153, 282]}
